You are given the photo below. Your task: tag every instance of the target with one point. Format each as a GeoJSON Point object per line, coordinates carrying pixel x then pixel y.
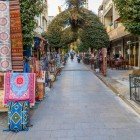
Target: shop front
{"type": "Point", "coordinates": [131, 50]}
{"type": "Point", "coordinates": [128, 48]}
{"type": "Point", "coordinates": [116, 48]}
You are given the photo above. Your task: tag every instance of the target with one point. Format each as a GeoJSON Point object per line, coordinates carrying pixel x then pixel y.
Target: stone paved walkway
{"type": "Point", "coordinates": [80, 107]}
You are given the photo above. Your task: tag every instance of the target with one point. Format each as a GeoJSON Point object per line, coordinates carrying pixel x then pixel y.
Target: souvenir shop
{"type": "Point", "coordinates": [26, 75]}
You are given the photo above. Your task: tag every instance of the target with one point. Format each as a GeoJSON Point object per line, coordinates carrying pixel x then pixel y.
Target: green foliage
{"type": "Point", "coordinates": [129, 11]}
{"type": "Point", "coordinates": [68, 36]}
{"type": "Point", "coordinates": [91, 34]}
{"type": "Point", "coordinates": [44, 35]}
{"type": "Point", "coordinates": [82, 47]}
{"type": "Point", "coordinates": [56, 35]}
{"type": "Point", "coordinates": [29, 9]}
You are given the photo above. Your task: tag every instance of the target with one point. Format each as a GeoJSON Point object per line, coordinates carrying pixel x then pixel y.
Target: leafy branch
{"type": "Point", "coordinates": [29, 9]}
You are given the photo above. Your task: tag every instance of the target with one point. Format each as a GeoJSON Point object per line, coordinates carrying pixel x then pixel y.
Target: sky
{"type": "Point", "coordinates": [53, 6]}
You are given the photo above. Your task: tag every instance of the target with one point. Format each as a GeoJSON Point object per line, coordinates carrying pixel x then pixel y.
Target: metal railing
{"type": "Point", "coordinates": [134, 81]}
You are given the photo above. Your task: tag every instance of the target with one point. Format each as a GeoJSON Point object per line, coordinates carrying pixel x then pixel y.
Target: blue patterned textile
{"type": "Point", "coordinates": [18, 116]}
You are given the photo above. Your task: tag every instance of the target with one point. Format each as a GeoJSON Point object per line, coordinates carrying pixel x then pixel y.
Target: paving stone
{"type": "Point", "coordinates": [80, 107]}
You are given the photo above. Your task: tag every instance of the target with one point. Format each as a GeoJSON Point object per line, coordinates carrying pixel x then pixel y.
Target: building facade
{"type": "Point", "coordinates": [41, 20]}
{"type": "Point", "coordinates": [40, 43]}
{"type": "Point", "coordinates": [49, 19]}
{"type": "Point", "coordinates": [121, 42]}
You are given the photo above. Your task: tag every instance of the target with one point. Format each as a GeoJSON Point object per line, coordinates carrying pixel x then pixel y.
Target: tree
{"type": "Point", "coordinates": [29, 9]}
{"type": "Point", "coordinates": [129, 11]}
{"type": "Point", "coordinates": [92, 32]}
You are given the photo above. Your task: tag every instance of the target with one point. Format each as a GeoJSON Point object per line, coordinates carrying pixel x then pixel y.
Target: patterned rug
{"type": "Point", "coordinates": [16, 36]}
{"type": "Point", "coordinates": [40, 75]}
{"type": "Point", "coordinates": [5, 45]}
{"type": "Point", "coordinates": [19, 87]}
{"type": "Point", "coordinates": [18, 116]}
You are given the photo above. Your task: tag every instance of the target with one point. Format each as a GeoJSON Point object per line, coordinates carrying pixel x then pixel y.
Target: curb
{"type": "Point", "coordinates": [131, 103]}
{"type": "Point", "coordinates": [128, 102]}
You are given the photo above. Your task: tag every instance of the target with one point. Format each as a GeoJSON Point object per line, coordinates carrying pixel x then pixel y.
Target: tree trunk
{"type": "Point", "coordinates": [139, 54]}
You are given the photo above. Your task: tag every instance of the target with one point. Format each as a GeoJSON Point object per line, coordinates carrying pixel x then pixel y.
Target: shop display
{"type": "Point", "coordinates": [52, 77]}
{"type": "Point", "coordinates": [26, 75]}
{"type": "Point", "coordinates": [5, 43]}
{"type": "Point", "coordinates": [2, 108]}
{"type": "Point", "coordinates": [18, 116]}
{"type": "Point", "coordinates": [19, 87]}
{"type": "Point", "coordinates": [40, 90]}
{"type": "Point", "coordinates": [37, 66]}
{"type": "Point", "coordinates": [41, 76]}
{"type": "Point", "coordinates": [22, 81]}
{"type": "Point", "coordinates": [16, 36]}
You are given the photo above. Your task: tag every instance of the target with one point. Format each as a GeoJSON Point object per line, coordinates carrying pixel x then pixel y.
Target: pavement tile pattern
{"type": "Point", "coordinates": [80, 107]}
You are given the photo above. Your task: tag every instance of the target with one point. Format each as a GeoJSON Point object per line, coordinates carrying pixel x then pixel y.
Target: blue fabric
{"type": "Point", "coordinates": [26, 68]}
{"type": "Point", "coordinates": [44, 63]}
{"type": "Point", "coordinates": [27, 52]}
{"type": "Point", "coordinates": [19, 90]}
{"type": "Point", "coordinates": [18, 116]}
{"type": "Point", "coordinates": [36, 42]}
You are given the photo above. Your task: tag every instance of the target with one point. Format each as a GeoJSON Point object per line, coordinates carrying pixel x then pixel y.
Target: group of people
{"type": "Point", "coordinates": [95, 59]}
{"type": "Point", "coordinates": [78, 55]}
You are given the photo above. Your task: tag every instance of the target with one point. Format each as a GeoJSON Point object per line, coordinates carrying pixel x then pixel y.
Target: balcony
{"type": "Point", "coordinates": [117, 32]}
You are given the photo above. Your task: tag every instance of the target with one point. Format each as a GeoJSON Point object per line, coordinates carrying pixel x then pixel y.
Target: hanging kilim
{"type": "Point", "coordinates": [16, 36]}
{"type": "Point", "coordinates": [5, 44]}
{"type": "Point", "coordinates": [40, 90]}
{"type": "Point", "coordinates": [40, 76]}
{"type": "Point", "coordinates": [19, 87]}
{"type": "Point", "coordinates": [18, 116]}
